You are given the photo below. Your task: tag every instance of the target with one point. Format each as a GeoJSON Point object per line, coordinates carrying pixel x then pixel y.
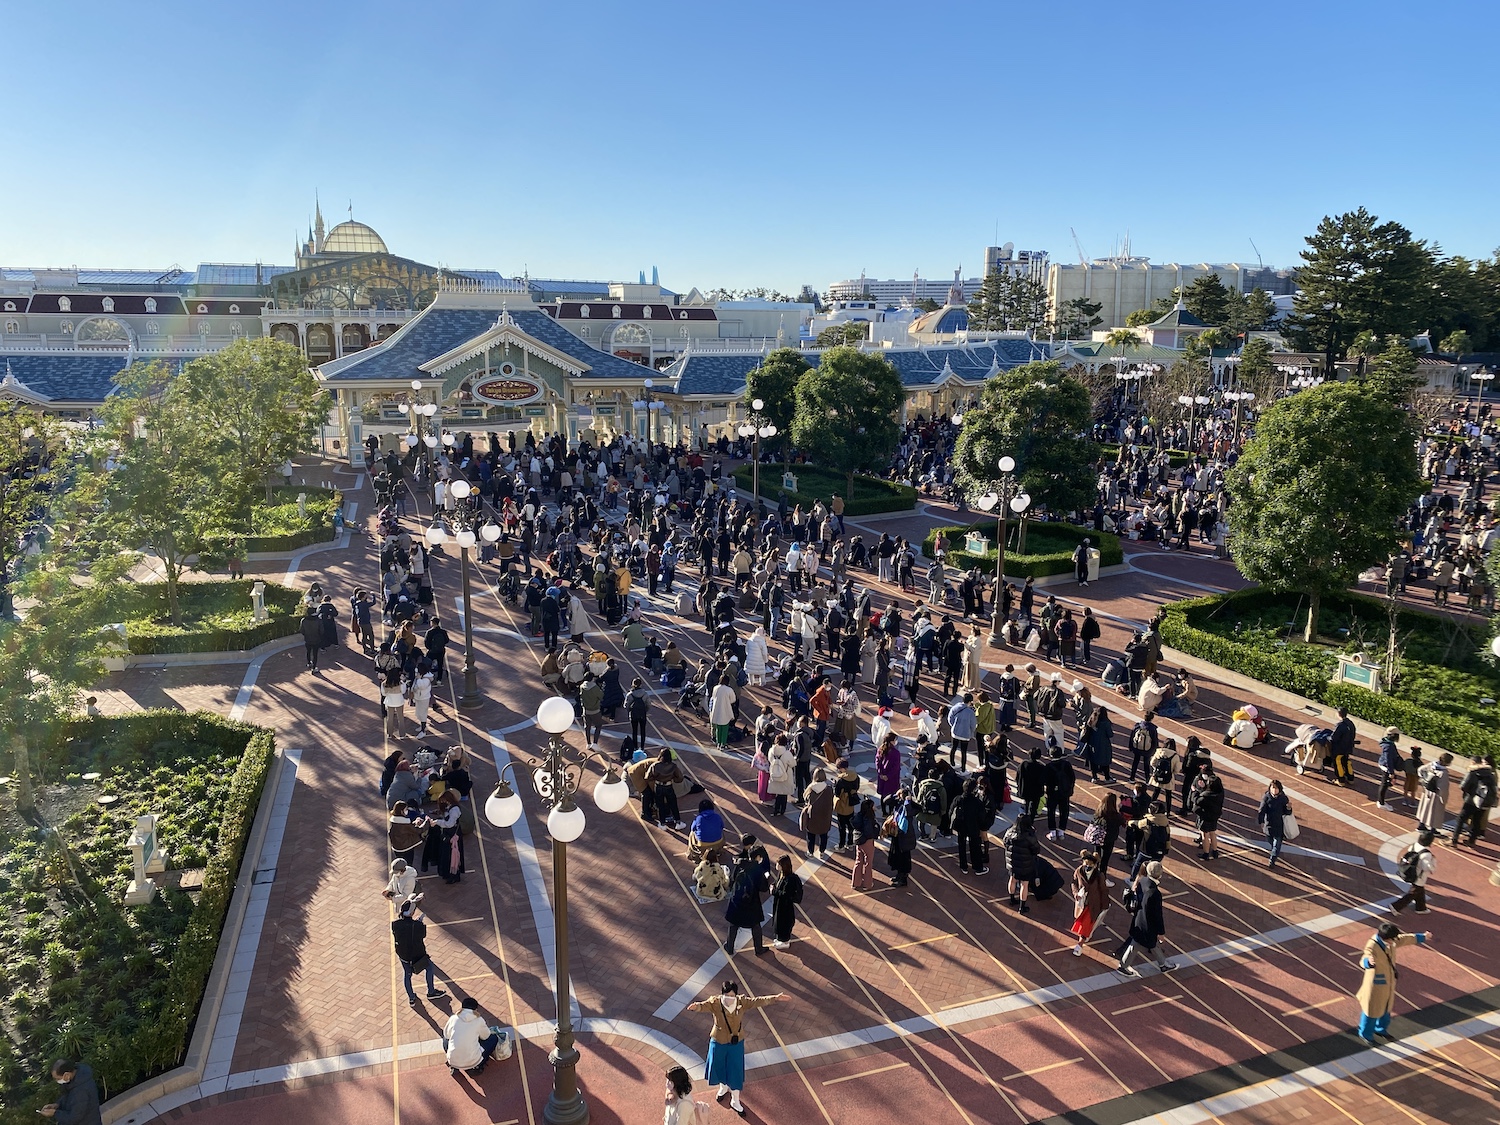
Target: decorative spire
{"type": "Point", "coordinates": [317, 242]}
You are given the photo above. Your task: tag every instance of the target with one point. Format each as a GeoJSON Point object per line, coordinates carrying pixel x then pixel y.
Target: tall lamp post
{"type": "Point", "coordinates": [417, 410]}
{"type": "Point", "coordinates": [1009, 497]}
{"type": "Point", "coordinates": [1192, 402]}
{"type": "Point", "coordinates": [556, 782]}
{"type": "Point", "coordinates": [1482, 377]}
{"type": "Point", "coordinates": [755, 427]}
{"type": "Point", "coordinates": [465, 518]}
{"type": "Point", "coordinates": [1238, 397]}
{"type": "Point", "coordinates": [652, 407]}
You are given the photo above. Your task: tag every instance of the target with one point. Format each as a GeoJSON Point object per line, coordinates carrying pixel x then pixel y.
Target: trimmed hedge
{"type": "Point", "coordinates": [277, 526]}
{"type": "Point", "coordinates": [1061, 539]}
{"type": "Point", "coordinates": [121, 987]}
{"type": "Point", "coordinates": [217, 616]}
{"type": "Point", "coordinates": [871, 495]}
{"type": "Point", "coordinates": [1422, 724]}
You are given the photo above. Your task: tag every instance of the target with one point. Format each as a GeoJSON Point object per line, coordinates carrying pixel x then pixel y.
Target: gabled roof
{"type": "Point", "coordinates": [66, 378]}
{"type": "Point", "coordinates": [1179, 317]}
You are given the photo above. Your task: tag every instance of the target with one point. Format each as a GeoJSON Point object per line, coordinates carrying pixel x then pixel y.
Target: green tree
{"type": "Point", "coordinates": [1359, 273]}
{"type": "Point", "coordinates": [774, 382]}
{"type": "Point", "coordinates": [1257, 369]}
{"type": "Point", "coordinates": [1258, 309]}
{"type": "Point", "coordinates": [840, 335]}
{"type": "Point", "coordinates": [174, 482]}
{"type": "Point", "coordinates": [1139, 318]}
{"type": "Point", "coordinates": [1209, 299]}
{"type": "Point", "coordinates": [1040, 415]}
{"type": "Point", "coordinates": [1078, 318]}
{"type": "Point", "coordinates": [846, 412]}
{"type": "Point", "coordinates": [927, 305]}
{"type": "Point", "coordinates": [29, 444]}
{"type": "Point", "coordinates": [1123, 338]}
{"type": "Point", "coordinates": [1457, 343]}
{"type": "Point", "coordinates": [259, 397]}
{"type": "Point", "coordinates": [1394, 372]}
{"type": "Point", "coordinates": [1319, 488]}
{"type": "Point", "coordinates": [1009, 302]}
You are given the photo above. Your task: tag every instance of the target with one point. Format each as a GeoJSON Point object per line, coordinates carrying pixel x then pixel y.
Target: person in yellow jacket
{"type": "Point", "coordinates": [1378, 989]}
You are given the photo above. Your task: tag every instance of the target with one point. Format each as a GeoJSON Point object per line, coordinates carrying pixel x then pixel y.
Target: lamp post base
{"type": "Point", "coordinates": [565, 1105]}
{"type": "Point", "coordinates": [470, 697]}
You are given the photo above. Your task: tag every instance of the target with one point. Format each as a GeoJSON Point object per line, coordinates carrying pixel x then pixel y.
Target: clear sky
{"type": "Point", "coordinates": [739, 144]}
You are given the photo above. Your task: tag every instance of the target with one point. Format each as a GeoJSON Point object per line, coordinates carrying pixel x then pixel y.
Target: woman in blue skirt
{"type": "Point", "coordinates": [726, 1045]}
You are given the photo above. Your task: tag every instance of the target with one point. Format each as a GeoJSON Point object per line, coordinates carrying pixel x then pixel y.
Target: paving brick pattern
{"type": "Point", "coordinates": [325, 983]}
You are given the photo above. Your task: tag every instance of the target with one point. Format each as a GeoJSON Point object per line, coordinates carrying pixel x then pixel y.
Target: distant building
{"type": "Point", "coordinates": [1028, 263]}
{"type": "Point", "coordinates": [896, 292]}
{"type": "Point", "coordinates": [1123, 285]}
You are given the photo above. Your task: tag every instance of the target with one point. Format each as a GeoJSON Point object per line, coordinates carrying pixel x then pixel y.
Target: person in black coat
{"type": "Point", "coordinates": [549, 613]}
{"type": "Point", "coordinates": [1021, 851]}
{"type": "Point", "coordinates": [312, 637]}
{"type": "Point", "coordinates": [1341, 749]}
{"type": "Point", "coordinates": [78, 1104]}
{"type": "Point", "coordinates": [435, 641]}
{"type": "Point", "coordinates": [328, 616]}
{"type": "Point", "coordinates": [1148, 925]}
{"type": "Point", "coordinates": [1061, 782]}
{"type": "Point", "coordinates": [1088, 632]}
{"type": "Point", "coordinates": [749, 884]}
{"type": "Point", "coordinates": [1031, 783]}
{"type": "Point", "coordinates": [614, 695]}
{"type": "Point", "coordinates": [969, 814]}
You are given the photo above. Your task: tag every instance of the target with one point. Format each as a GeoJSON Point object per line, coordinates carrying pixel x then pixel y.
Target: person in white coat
{"type": "Point", "coordinates": [1432, 783]}
{"type": "Point", "coordinates": [721, 712]}
{"type": "Point", "coordinates": [578, 618]}
{"type": "Point", "coordinates": [755, 656]}
{"type": "Point", "coordinates": [421, 701]}
{"type": "Point", "coordinates": [782, 782]}
{"type": "Point", "coordinates": [468, 1041]}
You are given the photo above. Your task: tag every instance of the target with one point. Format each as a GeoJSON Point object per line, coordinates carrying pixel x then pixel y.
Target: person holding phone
{"type": "Point", "coordinates": [79, 1101]}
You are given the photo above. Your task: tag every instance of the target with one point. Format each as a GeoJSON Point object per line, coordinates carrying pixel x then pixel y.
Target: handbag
{"type": "Point", "coordinates": [1289, 828]}
{"type": "Point", "coordinates": [1094, 834]}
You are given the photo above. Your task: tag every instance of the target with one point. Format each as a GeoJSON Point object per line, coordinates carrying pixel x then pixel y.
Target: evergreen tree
{"type": "Point", "coordinates": [1008, 302]}
{"type": "Point", "coordinates": [1078, 318]}
{"type": "Point", "coordinates": [846, 412]}
{"type": "Point", "coordinates": [774, 382]}
{"type": "Point", "coordinates": [1394, 372]}
{"type": "Point", "coordinates": [1209, 299]}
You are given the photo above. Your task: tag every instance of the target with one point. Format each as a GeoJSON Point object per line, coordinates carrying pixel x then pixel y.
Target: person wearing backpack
{"type": "Point", "coordinates": [1478, 791]}
{"type": "Point", "coordinates": [1163, 769]}
{"type": "Point", "coordinates": [785, 897]}
{"type": "Point", "coordinates": [932, 802]}
{"type": "Point", "coordinates": [1208, 807]}
{"type": "Point", "coordinates": [846, 803]}
{"type": "Point", "coordinates": [1414, 868]}
{"type": "Point", "coordinates": [1275, 807]}
{"type": "Point", "coordinates": [1144, 741]}
{"type": "Point", "coordinates": [902, 828]}
{"type": "Point", "coordinates": [1156, 837]}
{"type": "Point", "coordinates": [747, 887]}
{"type": "Point", "coordinates": [781, 780]}
{"type": "Point", "coordinates": [1021, 851]}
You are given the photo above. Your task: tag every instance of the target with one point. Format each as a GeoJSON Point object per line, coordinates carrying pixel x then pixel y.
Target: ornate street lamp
{"type": "Point", "coordinates": [1192, 402]}
{"type": "Point", "coordinates": [755, 426]}
{"type": "Point", "coordinates": [556, 781]}
{"type": "Point", "coordinates": [1238, 397]}
{"type": "Point", "coordinates": [464, 520]}
{"type": "Point", "coordinates": [1009, 497]}
{"type": "Point", "coordinates": [652, 407]}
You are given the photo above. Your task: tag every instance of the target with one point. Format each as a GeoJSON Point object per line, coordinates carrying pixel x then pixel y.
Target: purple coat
{"type": "Point", "coordinates": [888, 772]}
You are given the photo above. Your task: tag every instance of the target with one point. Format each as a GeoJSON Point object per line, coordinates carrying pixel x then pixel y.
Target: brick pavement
{"type": "Point", "coordinates": [324, 983]}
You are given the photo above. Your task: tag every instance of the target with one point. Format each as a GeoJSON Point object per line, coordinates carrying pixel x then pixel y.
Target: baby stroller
{"type": "Point", "coordinates": [1309, 748]}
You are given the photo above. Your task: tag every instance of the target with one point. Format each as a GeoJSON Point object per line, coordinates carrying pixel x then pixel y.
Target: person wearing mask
{"type": "Point", "coordinates": [1208, 806]}
{"type": "Point", "coordinates": [726, 1045]}
{"type": "Point", "coordinates": [1377, 991]}
{"type": "Point", "coordinates": [781, 776]}
{"type": "Point", "coordinates": [902, 829]}
{"type": "Point", "coordinates": [1031, 783]}
{"type": "Point", "coordinates": [78, 1104]}
{"type": "Point", "coordinates": [1090, 898]}
{"type": "Point", "coordinates": [971, 818]}
{"type": "Point", "coordinates": [817, 814]}
{"type": "Point", "coordinates": [1432, 809]}
{"type": "Point", "coordinates": [1154, 833]}
{"type": "Point", "coordinates": [1341, 749]}
{"type": "Point", "coordinates": [962, 722]}
{"type": "Point", "coordinates": [1275, 807]}
{"type": "Point", "coordinates": [785, 897]}
{"type": "Point", "coordinates": [1148, 925]}
{"type": "Point", "coordinates": [1392, 767]}
{"type": "Point", "coordinates": [846, 803]}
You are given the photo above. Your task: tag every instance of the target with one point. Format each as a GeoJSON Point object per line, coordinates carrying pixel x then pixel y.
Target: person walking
{"type": "Point", "coordinates": [1478, 792]}
{"type": "Point", "coordinates": [1061, 781]}
{"type": "Point", "coordinates": [1415, 867]}
{"type": "Point", "coordinates": [78, 1104]}
{"type": "Point", "coordinates": [785, 897]}
{"type": "Point", "coordinates": [866, 833]}
{"type": "Point", "coordinates": [410, 935]}
{"type": "Point", "coordinates": [1275, 807]}
{"type": "Point", "coordinates": [1148, 926]}
{"type": "Point", "coordinates": [312, 637]}
{"type": "Point", "coordinates": [1090, 898]}
{"type": "Point", "coordinates": [726, 1043]}
{"type": "Point", "coordinates": [1377, 992]}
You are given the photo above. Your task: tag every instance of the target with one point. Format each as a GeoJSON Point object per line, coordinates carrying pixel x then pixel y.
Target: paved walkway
{"type": "Point", "coordinates": [936, 998]}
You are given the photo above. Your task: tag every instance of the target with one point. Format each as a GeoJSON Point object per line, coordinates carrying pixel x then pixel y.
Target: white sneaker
{"type": "Point", "coordinates": [1387, 808]}
{"type": "Point", "coordinates": [781, 945]}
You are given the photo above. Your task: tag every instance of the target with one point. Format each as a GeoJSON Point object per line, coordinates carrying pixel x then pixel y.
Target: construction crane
{"type": "Point", "coordinates": [1083, 259]}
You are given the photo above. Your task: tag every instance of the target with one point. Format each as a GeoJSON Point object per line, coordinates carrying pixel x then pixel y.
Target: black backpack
{"type": "Point", "coordinates": [1483, 792]}
{"type": "Point", "coordinates": [1156, 840]}
{"type": "Point", "coordinates": [1409, 866]}
{"type": "Point", "coordinates": [1161, 771]}
{"type": "Point", "coordinates": [932, 799]}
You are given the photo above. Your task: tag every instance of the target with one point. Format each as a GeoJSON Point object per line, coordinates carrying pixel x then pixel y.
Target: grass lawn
{"type": "Point", "coordinates": [871, 495]}
{"type": "Point", "coordinates": [216, 616]}
{"type": "Point", "coordinates": [1049, 548]}
{"type": "Point", "coordinates": [277, 525]}
{"type": "Point", "coordinates": [82, 975]}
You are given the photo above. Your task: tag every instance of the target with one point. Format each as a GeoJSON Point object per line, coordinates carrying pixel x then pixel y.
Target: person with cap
{"type": "Point", "coordinates": [726, 1044]}
{"type": "Point", "coordinates": [1377, 990]}
{"type": "Point", "coordinates": [410, 935]}
{"type": "Point", "coordinates": [1148, 926]}
{"type": "Point", "coordinates": [1392, 767]}
{"type": "Point", "coordinates": [468, 1041]}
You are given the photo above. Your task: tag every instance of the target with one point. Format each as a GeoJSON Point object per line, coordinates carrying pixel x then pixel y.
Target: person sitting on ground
{"type": "Point", "coordinates": [468, 1041]}
{"type": "Point", "coordinates": [707, 833]}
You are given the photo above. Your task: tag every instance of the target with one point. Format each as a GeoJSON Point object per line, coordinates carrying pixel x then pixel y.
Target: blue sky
{"type": "Point", "coordinates": [739, 144]}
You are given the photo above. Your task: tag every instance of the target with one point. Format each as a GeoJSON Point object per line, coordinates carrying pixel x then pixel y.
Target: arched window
{"type": "Point", "coordinates": [631, 336]}
{"type": "Point", "coordinates": [150, 304]}
{"type": "Point", "coordinates": [152, 328]}
{"type": "Point", "coordinates": [103, 330]}
{"type": "Point", "coordinates": [318, 337]}
{"type": "Point", "coordinates": [66, 326]}
{"type": "Point", "coordinates": [64, 304]}
{"type": "Point", "coordinates": [583, 311]}
{"type": "Point", "coordinates": [285, 333]}
{"type": "Point", "coordinates": [109, 304]}
{"type": "Point", "coordinates": [354, 337]}
{"type": "Point", "coordinates": [13, 326]}
{"type": "Point", "coordinates": [204, 328]}
{"type": "Point", "coordinates": [236, 328]}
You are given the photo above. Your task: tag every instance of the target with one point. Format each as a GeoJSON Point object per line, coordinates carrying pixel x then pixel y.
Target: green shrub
{"type": "Point", "coordinates": [1436, 699]}
{"type": "Point", "coordinates": [1176, 458]}
{"type": "Point", "coordinates": [1049, 548]}
{"type": "Point", "coordinates": [871, 495]}
{"type": "Point", "coordinates": [277, 525]}
{"type": "Point", "coordinates": [216, 616]}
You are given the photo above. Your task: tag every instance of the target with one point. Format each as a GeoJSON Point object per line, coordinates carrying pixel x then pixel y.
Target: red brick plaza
{"type": "Point", "coordinates": [934, 1002]}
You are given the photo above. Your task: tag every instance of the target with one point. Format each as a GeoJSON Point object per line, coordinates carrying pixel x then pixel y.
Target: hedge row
{"type": "Point", "coordinates": [871, 495]}
{"type": "Point", "coordinates": [146, 637]}
{"type": "Point", "coordinates": [282, 510]}
{"type": "Point", "coordinates": [1031, 565]}
{"type": "Point", "coordinates": [1176, 458]}
{"type": "Point", "coordinates": [1421, 724]}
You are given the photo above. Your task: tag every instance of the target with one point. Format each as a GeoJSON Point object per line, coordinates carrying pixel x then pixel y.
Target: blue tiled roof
{"type": "Point", "coordinates": [437, 330]}
{"type": "Point", "coordinates": [66, 378]}
{"type": "Point", "coordinates": [425, 336]}
{"type": "Point", "coordinates": [725, 374]}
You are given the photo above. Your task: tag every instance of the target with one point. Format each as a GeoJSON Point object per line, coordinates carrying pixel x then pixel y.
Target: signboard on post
{"type": "Point", "coordinates": [1354, 670]}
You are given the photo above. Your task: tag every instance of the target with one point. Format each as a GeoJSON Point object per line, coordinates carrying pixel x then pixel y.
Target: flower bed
{"type": "Point", "coordinates": [83, 975]}
{"type": "Point", "coordinates": [871, 495]}
{"type": "Point", "coordinates": [1049, 548]}
{"type": "Point", "coordinates": [1444, 676]}
{"type": "Point", "coordinates": [216, 616]}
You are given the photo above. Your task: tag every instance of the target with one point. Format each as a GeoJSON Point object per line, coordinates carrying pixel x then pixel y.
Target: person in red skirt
{"type": "Point", "coordinates": [1090, 898]}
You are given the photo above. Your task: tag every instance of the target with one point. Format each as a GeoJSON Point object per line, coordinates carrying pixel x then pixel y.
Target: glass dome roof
{"type": "Point", "coordinates": [353, 238]}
